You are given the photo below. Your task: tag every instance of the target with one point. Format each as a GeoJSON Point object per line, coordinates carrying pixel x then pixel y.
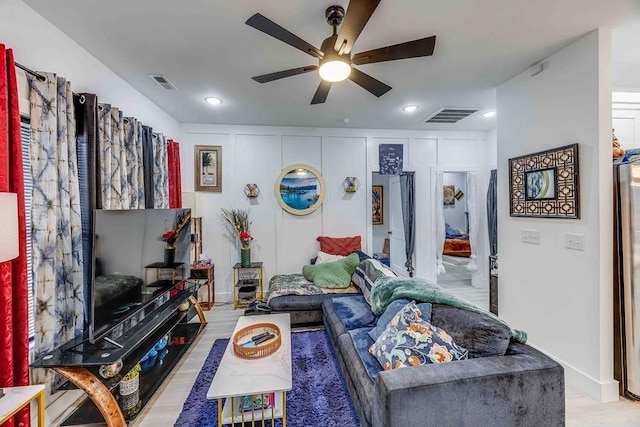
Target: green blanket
{"type": "Point", "coordinates": [387, 289]}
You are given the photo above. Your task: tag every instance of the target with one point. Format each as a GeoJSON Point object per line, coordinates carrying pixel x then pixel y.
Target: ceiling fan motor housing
{"type": "Point", "coordinates": [334, 15]}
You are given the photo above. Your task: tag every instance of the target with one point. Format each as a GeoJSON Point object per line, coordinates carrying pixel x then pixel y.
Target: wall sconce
{"type": "Point", "coordinates": [251, 191]}
{"type": "Point", "coordinates": [351, 184]}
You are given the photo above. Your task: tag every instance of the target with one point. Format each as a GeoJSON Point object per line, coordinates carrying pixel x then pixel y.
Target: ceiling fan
{"type": "Point", "coordinates": [334, 56]}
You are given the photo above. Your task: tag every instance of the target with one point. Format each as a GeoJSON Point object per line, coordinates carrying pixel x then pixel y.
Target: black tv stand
{"type": "Point", "coordinates": [80, 360]}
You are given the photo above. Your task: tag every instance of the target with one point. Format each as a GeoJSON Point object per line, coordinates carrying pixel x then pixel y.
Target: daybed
{"type": "Point", "coordinates": [502, 383]}
{"type": "Point", "coordinates": [293, 294]}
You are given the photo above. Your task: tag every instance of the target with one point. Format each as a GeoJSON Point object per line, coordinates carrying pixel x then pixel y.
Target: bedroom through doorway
{"type": "Point", "coordinates": [456, 250]}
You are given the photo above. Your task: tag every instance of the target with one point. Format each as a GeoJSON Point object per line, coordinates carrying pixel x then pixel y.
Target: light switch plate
{"type": "Point", "coordinates": [530, 236]}
{"type": "Point", "coordinates": [574, 241]}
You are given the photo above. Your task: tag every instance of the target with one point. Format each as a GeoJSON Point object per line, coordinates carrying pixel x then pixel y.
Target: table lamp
{"type": "Point", "coordinates": [9, 248]}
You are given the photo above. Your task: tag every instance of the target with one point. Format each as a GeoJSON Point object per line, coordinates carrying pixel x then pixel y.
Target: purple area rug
{"type": "Point", "coordinates": [319, 396]}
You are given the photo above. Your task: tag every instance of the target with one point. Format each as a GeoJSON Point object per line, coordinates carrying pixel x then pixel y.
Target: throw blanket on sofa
{"type": "Point", "coordinates": [388, 289]}
{"type": "Point", "coordinates": [296, 284]}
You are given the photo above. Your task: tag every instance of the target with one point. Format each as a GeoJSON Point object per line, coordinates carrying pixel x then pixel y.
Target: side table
{"type": "Point", "coordinates": [206, 272]}
{"type": "Point", "coordinates": [245, 291]}
{"type": "Point", "coordinates": [16, 398]}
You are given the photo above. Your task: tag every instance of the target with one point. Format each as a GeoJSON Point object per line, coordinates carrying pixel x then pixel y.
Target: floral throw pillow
{"type": "Point", "coordinates": [411, 341]}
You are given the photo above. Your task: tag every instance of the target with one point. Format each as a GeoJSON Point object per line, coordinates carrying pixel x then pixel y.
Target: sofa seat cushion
{"type": "Point", "coordinates": [479, 334]}
{"type": "Point", "coordinates": [362, 342]}
{"type": "Point", "coordinates": [354, 312]}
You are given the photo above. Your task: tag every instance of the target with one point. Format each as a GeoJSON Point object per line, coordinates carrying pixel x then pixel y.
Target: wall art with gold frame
{"type": "Point", "coordinates": [546, 184]}
{"type": "Point", "coordinates": [300, 189]}
{"type": "Point", "coordinates": [207, 167]}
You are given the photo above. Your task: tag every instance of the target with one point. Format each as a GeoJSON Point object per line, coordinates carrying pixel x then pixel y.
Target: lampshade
{"type": "Point", "coordinates": [8, 226]}
{"type": "Point", "coordinates": [189, 200]}
{"type": "Point", "coordinates": [335, 70]}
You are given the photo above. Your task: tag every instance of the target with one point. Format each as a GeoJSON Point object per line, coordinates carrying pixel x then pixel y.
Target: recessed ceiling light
{"type": "Point", "coordinates": [489, 114]}
{"type": "Point", "coordinates": [213, 100]}
{"type": "Point", "coordinates": [410, 108]}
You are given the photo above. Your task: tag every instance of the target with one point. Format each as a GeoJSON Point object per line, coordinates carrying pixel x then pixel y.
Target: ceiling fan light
{"type": "Point", "coordinates": [335, 71]}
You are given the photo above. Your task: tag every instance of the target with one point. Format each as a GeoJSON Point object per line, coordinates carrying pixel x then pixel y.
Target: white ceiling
{"type": "Point", "coordinates": [205, 48]}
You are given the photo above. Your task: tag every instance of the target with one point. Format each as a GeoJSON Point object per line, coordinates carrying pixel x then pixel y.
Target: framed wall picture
{"type": "Point", "coordinates": [300, 189]}
{"type": "Point", "coordinates": [448, 195]}
{"type": "Point", "coordinates": [207, 168]}
{"type": "Point", "coordinates": [377, 211]}
{"type": "Point", "coordinates": [546, 184]}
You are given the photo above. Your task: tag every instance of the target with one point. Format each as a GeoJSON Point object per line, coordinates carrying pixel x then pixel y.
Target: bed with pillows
{"type": "Point", "coordinates": [456, 243]}
{"type": "Point", "coordinates": [301, 294]}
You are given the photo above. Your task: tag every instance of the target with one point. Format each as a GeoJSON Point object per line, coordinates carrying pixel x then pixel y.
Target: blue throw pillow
{"type": "Point", "coordinates": [392, 310]}
{"type": "Point", "coordinates": [411, 341]}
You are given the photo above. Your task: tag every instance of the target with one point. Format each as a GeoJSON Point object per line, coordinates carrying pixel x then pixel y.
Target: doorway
{"type": "Point", "coordinates": [456, 251]}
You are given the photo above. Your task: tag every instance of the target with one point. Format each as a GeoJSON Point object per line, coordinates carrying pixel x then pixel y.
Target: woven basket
{"type": "Point", "coordinates": [261, 350]}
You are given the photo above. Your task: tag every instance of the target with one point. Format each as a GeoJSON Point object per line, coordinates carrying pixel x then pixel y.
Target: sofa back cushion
{"type": "Point", "coordinates": [479, 334]}
{"type": "Point", "coordinates": [409, 340]}
{"type": "Point", "coordinates": [366, 274]}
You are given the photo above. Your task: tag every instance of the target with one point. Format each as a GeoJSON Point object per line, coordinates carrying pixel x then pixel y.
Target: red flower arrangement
{"type": "Point", "coordinates": [170, 237]}
{"type": "Point", "coordinates": [245, 239]}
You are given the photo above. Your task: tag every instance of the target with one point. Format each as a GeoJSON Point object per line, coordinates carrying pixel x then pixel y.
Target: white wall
{"type": "Point", "coordinates": [562, 297]}
{"type": "Point", "coordinates": [284, 242]}
{"type": "Point", "coordinates": [49, 49]}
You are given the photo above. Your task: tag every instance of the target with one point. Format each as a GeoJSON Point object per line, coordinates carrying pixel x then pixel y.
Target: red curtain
{"type": "Point", "coordinates": [14, 310]}
{"type": "Point", "coordinates": [175, 183]}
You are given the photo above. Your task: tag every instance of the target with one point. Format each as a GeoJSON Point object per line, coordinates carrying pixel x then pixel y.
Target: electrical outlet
{"type": "Point", "coordinates": [574, 241]}
{"type": "Point", "coordinates": [530, 236]}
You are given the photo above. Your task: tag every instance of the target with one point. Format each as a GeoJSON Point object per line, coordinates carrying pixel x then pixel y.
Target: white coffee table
{"type": "Point", "coordinates": [237, 377]}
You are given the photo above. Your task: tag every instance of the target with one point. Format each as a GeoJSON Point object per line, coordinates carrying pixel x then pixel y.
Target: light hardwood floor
{"type": "Point", "coordinates": [164, 409]}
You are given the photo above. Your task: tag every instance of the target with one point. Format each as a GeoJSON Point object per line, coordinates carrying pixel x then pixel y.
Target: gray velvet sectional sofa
{"type": "Point", "coordinates": [503, 383]}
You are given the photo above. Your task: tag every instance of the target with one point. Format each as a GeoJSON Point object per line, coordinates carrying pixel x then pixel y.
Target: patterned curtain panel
{"type": "Point", "coordinates": [134, 164]}
{"type": "Point", "coordinates": [120, 160]}
{"type": "Point", "coordinates": [14, 314]}
{"type": "Point", "coordinates": [57, 227]}
{"type": "Point", "coordinates": [160, 172]}
{"type": "Point", "coordinates": [175, 179]}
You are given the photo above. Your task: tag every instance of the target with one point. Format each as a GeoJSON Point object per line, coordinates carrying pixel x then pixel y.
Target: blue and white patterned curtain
{"type": "Point", "coordinates": [57, 228]}
{"type": "Point", "coordinates": [160, 172]}
{"type": "Point", "coordinates": [120, 163]}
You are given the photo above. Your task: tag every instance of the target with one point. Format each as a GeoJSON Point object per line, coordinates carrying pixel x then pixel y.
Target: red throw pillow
{"type": "Point", "coordinates": [339, 245]}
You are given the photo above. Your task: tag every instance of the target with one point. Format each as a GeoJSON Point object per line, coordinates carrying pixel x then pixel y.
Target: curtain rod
{"type": "Point", "coordinates": [30, 71]}
{"type": "Point", "coordinates": [42, 78]}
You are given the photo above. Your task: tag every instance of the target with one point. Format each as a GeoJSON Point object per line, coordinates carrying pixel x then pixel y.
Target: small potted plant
{"type": "Point", "coordinates": [131, 381]}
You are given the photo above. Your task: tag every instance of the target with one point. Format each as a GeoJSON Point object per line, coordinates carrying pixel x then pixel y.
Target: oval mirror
{"type": "Point", "coordinates": [300, 189]}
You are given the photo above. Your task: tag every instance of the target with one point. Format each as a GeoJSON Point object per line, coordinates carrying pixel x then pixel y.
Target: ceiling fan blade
{"type": "Point", "coordinates": [322, 92]}
{"type": "Point", "coordinates": [282, 74]}
{"type": "Point", "coordinates": [367, 82]}
{"type": "Point", "coordinates": [412, 49]}
{"type": "Point", "coordinates": [356, 17]}
{"type": "Point", "coordinates": [267, 26]}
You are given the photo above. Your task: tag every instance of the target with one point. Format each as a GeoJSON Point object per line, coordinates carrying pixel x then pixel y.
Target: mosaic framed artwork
{"type": "Point", "coordinates": [546, 184]}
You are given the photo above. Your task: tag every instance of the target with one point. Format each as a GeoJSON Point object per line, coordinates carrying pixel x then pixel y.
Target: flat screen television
{"type": "Point", "coordinates": [124, 242]}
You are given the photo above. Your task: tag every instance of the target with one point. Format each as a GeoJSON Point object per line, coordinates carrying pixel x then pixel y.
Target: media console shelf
{"type": "Point", "coordinates": [80, 361]}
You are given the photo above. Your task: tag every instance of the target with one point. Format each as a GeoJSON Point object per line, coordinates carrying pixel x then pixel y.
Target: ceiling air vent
{"type": "Point", "coordinates": [450, 115]}
{"type": "Point", "coordinates": [163, 82]}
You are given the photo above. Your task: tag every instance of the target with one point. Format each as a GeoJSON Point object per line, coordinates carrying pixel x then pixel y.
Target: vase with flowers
{"type": "Point", "coordinates": [238, 219]}
{"type": "Point", "coordinates": [180, 222]}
